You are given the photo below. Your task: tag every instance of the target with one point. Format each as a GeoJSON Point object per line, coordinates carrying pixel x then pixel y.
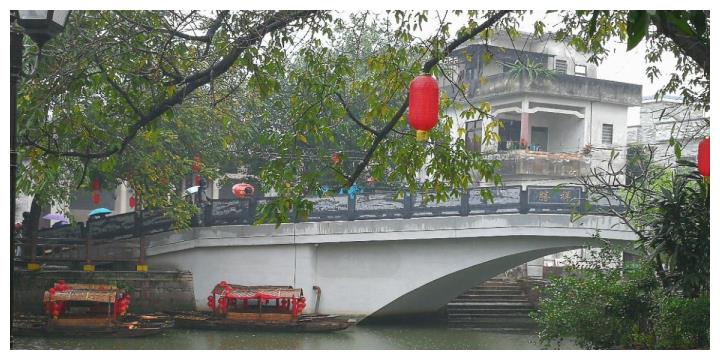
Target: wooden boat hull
{"type": "Point", "coordinates": [310, 324]}
{"type": "Point", "coordinates": [133, 326]}
{"type": "Point", "coordinates": [89, 332]}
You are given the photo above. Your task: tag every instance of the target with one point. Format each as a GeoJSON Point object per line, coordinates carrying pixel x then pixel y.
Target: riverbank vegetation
{"type": "Point", "coordinates": [661, 301]}
{"type": "Point", "coordinates": [623, 307]}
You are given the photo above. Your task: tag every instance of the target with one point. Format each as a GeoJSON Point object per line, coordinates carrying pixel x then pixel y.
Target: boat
{"type": "Point", "coordinates": [277, 308]}
{"type": "Point", "coordinates": [88, 310]}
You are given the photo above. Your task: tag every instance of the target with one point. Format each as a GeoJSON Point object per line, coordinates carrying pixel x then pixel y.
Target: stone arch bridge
{"type": "Point", "coordinates": [396, 257]}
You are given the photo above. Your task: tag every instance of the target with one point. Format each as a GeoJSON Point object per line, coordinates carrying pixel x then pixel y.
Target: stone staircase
{"type": "Point", "coordinates": [497, 305]}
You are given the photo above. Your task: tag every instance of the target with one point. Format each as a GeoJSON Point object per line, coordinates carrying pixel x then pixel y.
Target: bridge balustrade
{"type": "Point", "coordinates": [120, 238]}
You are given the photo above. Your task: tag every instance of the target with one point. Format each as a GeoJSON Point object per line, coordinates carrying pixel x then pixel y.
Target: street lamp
{"type": "Point", "coordinates": [41, 26]}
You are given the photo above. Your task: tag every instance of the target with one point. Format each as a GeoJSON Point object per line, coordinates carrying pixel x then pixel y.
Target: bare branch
{"type": "Point", "coordinates": [354, 118]}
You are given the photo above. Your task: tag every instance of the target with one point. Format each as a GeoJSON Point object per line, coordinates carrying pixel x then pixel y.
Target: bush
{"type": "Point", "coordinates": [598, 309]}
{"type": "Point", "coordinates": [605, 308]}
{"type": "Point", "coordinates": [683, 323]}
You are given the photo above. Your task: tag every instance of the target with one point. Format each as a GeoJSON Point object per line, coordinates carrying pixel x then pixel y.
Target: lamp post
{"type": "Point", "coordinates": [40, 26]}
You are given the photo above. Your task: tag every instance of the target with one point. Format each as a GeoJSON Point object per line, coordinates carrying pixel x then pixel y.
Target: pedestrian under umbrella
{"type": "Point", "coordinates": [55, 217]}
{"type": "Point", "coordinates": [99, 213]}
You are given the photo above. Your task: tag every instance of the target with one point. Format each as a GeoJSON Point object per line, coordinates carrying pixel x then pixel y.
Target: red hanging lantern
{"type": "Point", "coordinates": [423, 105]}
{"type": "Point", "coordinates": [131, 202]}
{"type": "Point", "coordinates": [55, 310]}
{"type": "Point", "coordinates": [95, 198]}
{"type": "Point", "coordinates": [336, 159]}
{"type": "Point", "coordinates": [223, 305]}
{"type": "Point", "coordinates": [242, 190]}
{"type": "Point", "coordinates": [196, 164]}
{"type": "Point", "coordinates": [703, 157]}
{"type": "Point", "coordinates": [96, 184]}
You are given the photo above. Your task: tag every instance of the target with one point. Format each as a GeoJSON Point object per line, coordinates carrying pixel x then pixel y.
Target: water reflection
{"type": "Point", "coordinates": [384, 337]}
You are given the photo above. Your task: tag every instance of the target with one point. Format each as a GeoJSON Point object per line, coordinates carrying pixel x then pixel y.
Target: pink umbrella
{"type": "Point", "coordinates": [55, 217]}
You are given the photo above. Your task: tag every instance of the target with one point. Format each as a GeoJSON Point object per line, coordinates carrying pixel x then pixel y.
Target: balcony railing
{"type": "Point", "coordinates": [541, 163]}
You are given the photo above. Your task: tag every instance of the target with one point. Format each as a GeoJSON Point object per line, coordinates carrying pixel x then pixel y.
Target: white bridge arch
{"type": "Point", "coordinates": [374, 267]}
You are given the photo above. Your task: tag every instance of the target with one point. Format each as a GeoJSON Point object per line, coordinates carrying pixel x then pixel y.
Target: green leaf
{"type": "Point", "coordinates": [638, 22]}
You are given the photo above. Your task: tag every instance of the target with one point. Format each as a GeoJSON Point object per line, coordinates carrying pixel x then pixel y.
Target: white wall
{"type": "Point", "coordinates": [393, 266]}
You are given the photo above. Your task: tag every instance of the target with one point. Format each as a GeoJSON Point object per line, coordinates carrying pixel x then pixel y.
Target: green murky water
{"type": "Point", "coordinates": [384, 337]}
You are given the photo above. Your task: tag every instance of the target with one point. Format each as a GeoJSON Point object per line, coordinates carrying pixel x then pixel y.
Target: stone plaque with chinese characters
{"type": "Point", "coordinates": [554, 195]}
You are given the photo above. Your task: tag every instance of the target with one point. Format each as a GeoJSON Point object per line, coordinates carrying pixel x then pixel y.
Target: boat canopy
{"type": "Point", "coordinates": [103, 293]}
{"type": "Point", "coordinates": [57, 299]}
{"type": "Point", "coordinates": [103, 296]}
{"type": "Point", "coordinates": [241, 292]}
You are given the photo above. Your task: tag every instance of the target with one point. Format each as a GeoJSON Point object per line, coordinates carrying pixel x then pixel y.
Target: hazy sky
{"type": "Point", "coordinates": [620, 64]}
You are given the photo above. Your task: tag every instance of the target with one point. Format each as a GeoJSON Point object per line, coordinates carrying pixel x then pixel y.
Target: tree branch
{"type": "Point", "coordinates": [119, 90]}
{"type": "Point", "coordinates": [426, 69]}
{"type": "Point", "coordinates": [201, 38]}
{"type": "Point", "coordinates": [275, 22]}
{"type": "Point", "coordinates": [354, 118]}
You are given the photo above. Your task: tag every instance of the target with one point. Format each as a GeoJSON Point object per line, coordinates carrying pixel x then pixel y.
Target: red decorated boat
{"type": "Point", "coordinates": [237, 307]}
{"type": "Point", "coordinates": [88, 309]}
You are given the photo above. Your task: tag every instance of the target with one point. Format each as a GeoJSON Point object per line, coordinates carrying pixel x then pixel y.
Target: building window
{"type": "Point", "coordinates": [473, 135]}
{"type": "Point", "coordinates": [509, 135]}
{"type": "Point", "coordinates": [561, 66]}
{"type": "Point", "coordinates": [580, 70]}
{"type": "Point", "coordinates": [607, 134]}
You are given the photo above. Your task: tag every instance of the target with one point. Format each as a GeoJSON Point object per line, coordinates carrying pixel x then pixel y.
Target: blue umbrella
{"type": "Point", "coordinates": [55, 217]}
{"type": "Point", "coordinates": [99, 211]}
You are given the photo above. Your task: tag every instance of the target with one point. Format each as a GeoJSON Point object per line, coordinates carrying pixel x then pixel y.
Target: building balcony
{"type": "Point", "coordinates": [541, 164]}
{"type": "Point", "coordinates": [560, 85]}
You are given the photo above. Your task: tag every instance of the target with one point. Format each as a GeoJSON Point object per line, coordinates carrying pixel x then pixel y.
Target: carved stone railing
{"type": "Point", "coordinates": [119, 238]}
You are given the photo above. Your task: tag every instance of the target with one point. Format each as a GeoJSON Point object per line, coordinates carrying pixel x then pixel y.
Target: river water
{"type": "Point", "coordinates": [363, 337]}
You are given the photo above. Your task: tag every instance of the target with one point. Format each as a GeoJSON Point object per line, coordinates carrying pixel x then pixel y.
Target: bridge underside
{"type": "Point", "coordinates": [359, 273]}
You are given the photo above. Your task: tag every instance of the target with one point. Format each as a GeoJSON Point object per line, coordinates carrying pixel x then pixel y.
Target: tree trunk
{"type": "Point", "coordinates": [34, 225]}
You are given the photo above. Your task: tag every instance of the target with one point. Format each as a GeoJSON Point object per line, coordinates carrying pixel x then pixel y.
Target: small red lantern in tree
{"type": "Point", "coordinates": [196, 164]}
{"type": "Point", "coordinates": [131, 202]}
{"type": "Point", "coordinates": [336, 158]}
{"type": "Point", "coordinates": [423, 105]}
{"type": "Point", "coordinates": [703, 157]}
{"type": "Point", "coordinates": [242, 190]}
{"type": "Point", "coordinates": [96, 191]}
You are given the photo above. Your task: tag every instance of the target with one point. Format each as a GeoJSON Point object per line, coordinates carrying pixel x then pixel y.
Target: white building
{"type": "Point", "coordinates": [559, 120]}
{"type": "Point", "coordinates": [661, 120]}
{"type": "Point", "coordinates": [556, 125]}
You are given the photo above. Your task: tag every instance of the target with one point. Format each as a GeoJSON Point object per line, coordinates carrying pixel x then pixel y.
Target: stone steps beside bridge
{"type": "Point", "coordinates": [496, 305]}
{"type": "Point", "coordinates": [500, 292]}
{"type": "Point", "coordinates": [493, 298]}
